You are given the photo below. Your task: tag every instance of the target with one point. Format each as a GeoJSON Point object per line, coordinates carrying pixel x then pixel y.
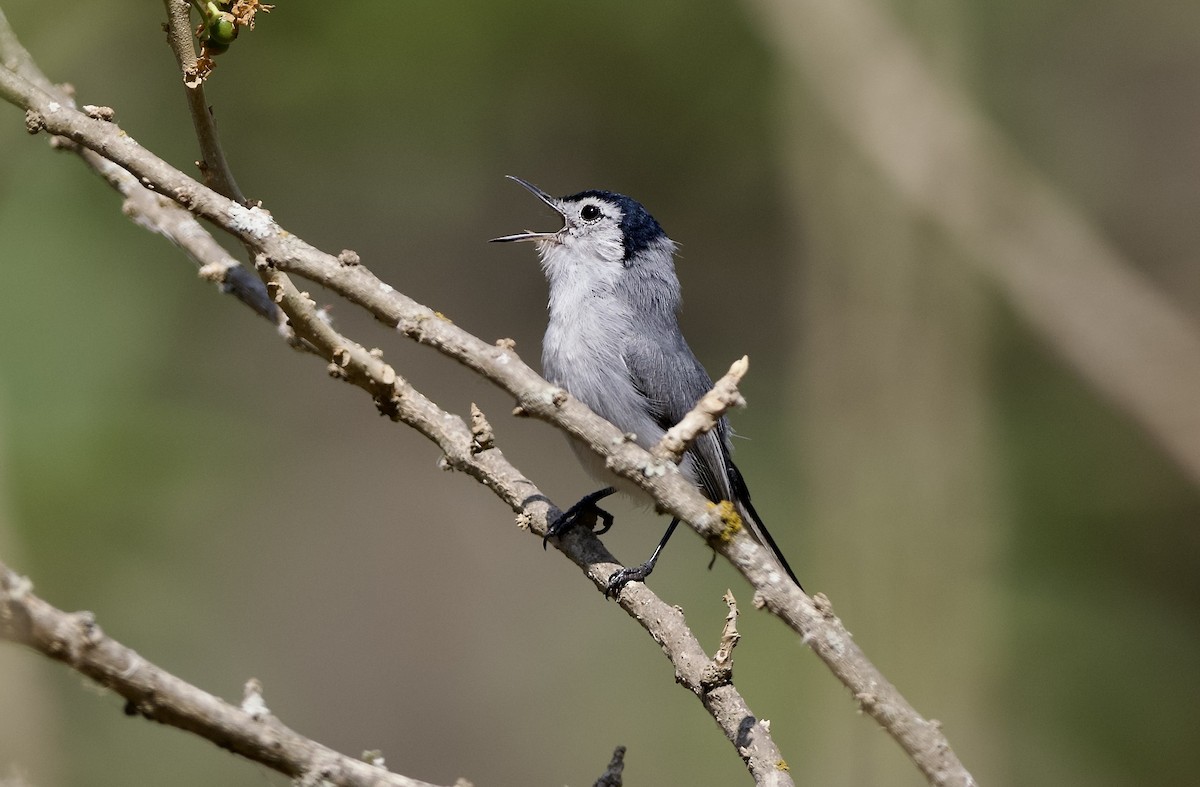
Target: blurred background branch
{"type": "Point", "coordinates": [917, 210]}
{"type": "Point", "coordinates": [950, 164]}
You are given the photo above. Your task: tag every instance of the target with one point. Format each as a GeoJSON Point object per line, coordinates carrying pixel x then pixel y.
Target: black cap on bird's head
{"type": "Point", "coordinates": [638, 229]}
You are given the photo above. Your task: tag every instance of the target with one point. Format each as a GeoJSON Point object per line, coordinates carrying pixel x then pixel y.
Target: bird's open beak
{"type": "Point", "coordinates": [527, 235]}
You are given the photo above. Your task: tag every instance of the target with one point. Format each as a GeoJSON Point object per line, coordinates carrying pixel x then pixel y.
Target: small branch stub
{"type": "Point", "coordinates": [253, 703]}
{"type": "Point", "coordinates": [34, 121]}
{"type": "Point", "coordinates": [482, 436]}
{"type": "Point", "coordinates": [612, 776]}
{"type": "Point", "coordinates": [99, 113]}
{"type": "Point", "coordinates": [719, 671]}
{"type": "Point", "coordinates": [217, 271]}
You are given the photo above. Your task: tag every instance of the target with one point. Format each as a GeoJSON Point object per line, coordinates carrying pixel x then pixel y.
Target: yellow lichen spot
{"type": "Point", "coordinates": [730, 518]}
{"type": "Point", "coordinates": [443, 317]}
{"type": "Point", "coordinates": [782, 765]}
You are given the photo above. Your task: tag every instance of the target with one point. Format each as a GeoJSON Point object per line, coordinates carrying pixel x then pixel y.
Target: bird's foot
{"type": "Point", "coordinates": [624, 576]}
{"type": "Point", "coordinates": [638, 573]}
{"type": "Point", "coordinates": [580, 511]}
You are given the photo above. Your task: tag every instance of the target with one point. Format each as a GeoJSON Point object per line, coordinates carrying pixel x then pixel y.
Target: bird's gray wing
{"type": "Point", "coordinates": [671, 380]}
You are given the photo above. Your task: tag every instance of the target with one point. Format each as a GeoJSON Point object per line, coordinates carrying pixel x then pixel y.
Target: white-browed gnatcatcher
{"type": "Point", "coordinates": [613, 342]}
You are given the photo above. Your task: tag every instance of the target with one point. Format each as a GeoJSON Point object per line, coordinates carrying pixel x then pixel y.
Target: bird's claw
{"type": "Point", "coordinates": [623, 577]}
{"type": "Point", "coordinates": [576, 513]}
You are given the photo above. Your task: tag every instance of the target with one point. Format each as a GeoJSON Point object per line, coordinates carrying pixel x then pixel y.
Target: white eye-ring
{"type": "Point", "coordinates": [590, 213]}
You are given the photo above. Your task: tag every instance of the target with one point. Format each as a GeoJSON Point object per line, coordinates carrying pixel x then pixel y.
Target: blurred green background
{"type": "Point", "coordinates": [1013, 552]}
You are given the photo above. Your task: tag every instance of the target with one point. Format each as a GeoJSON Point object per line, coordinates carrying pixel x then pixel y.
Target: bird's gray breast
{"type": "Point", "coordinates": [583, 351]}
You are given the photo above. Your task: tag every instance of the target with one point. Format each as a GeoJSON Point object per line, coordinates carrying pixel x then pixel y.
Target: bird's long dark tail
{"type": "Point", "coordinates": [754, 521]}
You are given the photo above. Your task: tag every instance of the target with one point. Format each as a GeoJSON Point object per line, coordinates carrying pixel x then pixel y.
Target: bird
{"type": "Point", "coordinates": [613, 341]}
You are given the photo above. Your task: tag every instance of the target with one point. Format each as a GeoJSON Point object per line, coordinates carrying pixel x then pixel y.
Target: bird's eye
{"type": "Point", "coordinates": [589, 213]}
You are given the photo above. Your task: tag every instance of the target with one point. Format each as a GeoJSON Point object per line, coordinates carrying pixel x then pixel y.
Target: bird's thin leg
{"type": "Point", "coordinates": [639, 573]}
{"type": "Point", "coordinates": [569, 518]}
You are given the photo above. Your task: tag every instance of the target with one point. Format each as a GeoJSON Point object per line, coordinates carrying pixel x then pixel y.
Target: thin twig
{"type": "Point", "coordinates": [213, 164]}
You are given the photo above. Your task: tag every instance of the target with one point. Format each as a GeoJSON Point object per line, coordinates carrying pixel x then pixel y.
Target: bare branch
{"type": "Point", "coordinates": [150, 692]}
{"type": "Point", "coordinates": [164, 217]}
